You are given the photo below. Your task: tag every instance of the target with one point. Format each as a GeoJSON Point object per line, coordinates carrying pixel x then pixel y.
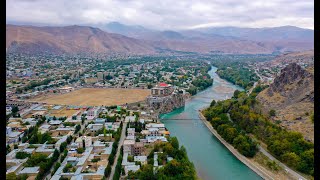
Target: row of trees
{"type": "Point", "coordinates": [117, 136]}
{"type": "Point", "coordinates": [289, 147]}
{"type": "Point", "coordinates": [118, 169]}
{"type": "Point", "coordinates": [242, 142]}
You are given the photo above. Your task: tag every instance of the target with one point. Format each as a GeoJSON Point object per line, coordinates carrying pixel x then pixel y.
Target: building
{"type": "Point", "coordinates": [162, 89]}
{"type": "Point", "coordinates": [30, 171]}
{"type": "Point", "coordinates": [130, 131]}
{"type": "Point", "coordinates": [93, 113]}
{"type": "Point", "coordinates": [100, 76]}
{"type": "Point", "coordinates": [65, 89]}
{"type": "Point", "coordinates": [128, 146]}
{"type": "Point", "coordinates": [137, 148]}
{"type": "Point", "coordinates": [87, 141]}
{"type": "Point", "coordinates": [142, 159]}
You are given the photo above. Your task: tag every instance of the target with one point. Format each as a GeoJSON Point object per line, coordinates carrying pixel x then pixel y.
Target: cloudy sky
{"type": "Point", "coordinates": [164, 14]}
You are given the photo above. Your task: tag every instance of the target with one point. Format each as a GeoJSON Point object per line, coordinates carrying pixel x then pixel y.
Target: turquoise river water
{"type": "Point", "coordinates": [212, 160]}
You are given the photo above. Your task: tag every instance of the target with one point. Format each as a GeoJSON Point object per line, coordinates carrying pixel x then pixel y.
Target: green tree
{"type": "Point", "coordinates": [213, 102]}
{"type": "Point", "coordinates": [22, 155]}
{"type": "Point", "coordinates": [236, 93]}
{"type": "Point", "coordinates": [291, 158]}
{"type": "Point", "coordinates": [80, 150]}
{"type": "Point", "coordinates": [107, 171]}
{"type": "Point", "coordinates": [174, 142]}
{"type": "Point", "coordinates": [272, 112]}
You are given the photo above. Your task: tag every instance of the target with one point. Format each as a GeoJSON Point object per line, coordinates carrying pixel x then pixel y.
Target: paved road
{"type": "Point", "coordinates": [255, 83]}
{"type": "Point", "coordinates": [123, 135]}
{"type": "Point", "coordinates": [286, 168]}
{"type": "Point", "coordinates": [266, 153]}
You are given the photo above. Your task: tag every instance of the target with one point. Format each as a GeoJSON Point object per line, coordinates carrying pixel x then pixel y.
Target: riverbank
{"type": "Point", "coordinates": [242, 158]}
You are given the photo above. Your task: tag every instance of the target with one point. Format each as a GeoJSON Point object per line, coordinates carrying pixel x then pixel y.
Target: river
{"type": "Point", "coordinates": [212, 160]}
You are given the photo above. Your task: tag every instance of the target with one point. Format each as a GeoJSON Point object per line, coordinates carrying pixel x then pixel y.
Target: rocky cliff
{"type": "Point", "coordinates": [291, 95]}
{"type": "Point", "coordinates": [167, 104]}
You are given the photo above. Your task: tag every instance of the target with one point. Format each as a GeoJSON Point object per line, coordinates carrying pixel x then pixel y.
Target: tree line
{"type": "Point", "coordinates": [288, 146]}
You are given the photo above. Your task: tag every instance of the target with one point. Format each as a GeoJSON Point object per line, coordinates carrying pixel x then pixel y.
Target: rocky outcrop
{"type": "Point", "coordinates": [172, 103]}
{"type": "Point", "coordinates": [167, 104]}
{"type": "Point", "coordinates": [294, 83]}
{"type": "Point", "coordinates": [291, 95]}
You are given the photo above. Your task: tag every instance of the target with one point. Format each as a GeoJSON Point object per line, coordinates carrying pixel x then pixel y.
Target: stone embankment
{"type": "Point", "coordinates": [242, 158]}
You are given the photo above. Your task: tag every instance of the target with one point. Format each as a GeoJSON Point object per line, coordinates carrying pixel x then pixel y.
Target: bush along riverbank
{"type": "Point", "coordinates": [287, 146]}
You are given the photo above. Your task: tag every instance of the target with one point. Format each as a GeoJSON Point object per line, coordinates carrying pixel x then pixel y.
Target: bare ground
{"type": "Point", "coordinates": [96, 97]}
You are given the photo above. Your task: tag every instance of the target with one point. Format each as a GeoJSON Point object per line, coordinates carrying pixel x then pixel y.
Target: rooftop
{"type": "Point", "coordinates": [30, 170]}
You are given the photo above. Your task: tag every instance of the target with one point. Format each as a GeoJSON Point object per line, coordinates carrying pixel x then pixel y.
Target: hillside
{"type": "Point", "coordinates": [70, 39]}
{"type": "Point", "coordinates": [291, 95]}
{"type": "Point", "coordinates": [306, 57]}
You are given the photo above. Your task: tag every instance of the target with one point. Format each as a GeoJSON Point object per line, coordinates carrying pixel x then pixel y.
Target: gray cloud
{"type": "Point", "coordinates": [164, 14]}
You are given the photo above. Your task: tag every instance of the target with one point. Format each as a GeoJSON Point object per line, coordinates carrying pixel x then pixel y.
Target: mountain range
{"type": "Point", "coordinates": [119, 38]}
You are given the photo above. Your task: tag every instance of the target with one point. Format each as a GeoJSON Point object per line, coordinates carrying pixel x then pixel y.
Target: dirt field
{"type": "Point", "coordinates": [97, 97]}
{"type": "Point", "coordinates": [63, 112]}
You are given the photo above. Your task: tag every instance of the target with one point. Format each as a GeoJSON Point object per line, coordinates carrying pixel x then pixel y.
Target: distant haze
{"type": "Point", "coordinates": [164, 14]}
{"type": "Point", "coordinates": [119, 38]}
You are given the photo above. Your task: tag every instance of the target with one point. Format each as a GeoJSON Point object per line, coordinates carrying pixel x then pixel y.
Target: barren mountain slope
{"type": "Point", "coordinates": [291, 95]}
{"type": "Point", "coordinates": [71, 39]}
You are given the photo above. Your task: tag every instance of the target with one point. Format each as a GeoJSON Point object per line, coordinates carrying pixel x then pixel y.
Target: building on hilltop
{"type": "Point", "coordinates": [164, 98]}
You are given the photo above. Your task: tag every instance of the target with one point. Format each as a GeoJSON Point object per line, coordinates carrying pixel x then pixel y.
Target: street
{"type": "Point", "coordinates": [123, 135]}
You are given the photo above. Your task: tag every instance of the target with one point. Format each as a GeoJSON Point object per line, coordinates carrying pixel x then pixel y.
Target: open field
{"type": "Point", "coordinates": [63, 112]}
{"type": "Point", "coordinates": [96, 97]}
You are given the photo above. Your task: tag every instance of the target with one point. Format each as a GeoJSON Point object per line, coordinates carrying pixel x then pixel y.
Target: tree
{"type": "Point", "coordinates": [272, 112]}
{"type": "Point", "coordinates": [213, 102]}
{"type": "Point", "coordinates": [95, 160]}
{"type": "Point", "coordinates": [130, 158]}
{"type": "Point", "coordinates": [83, 144]}
{"type": "Point", "coordinates": [11, 176]}
{"type": "Point", "coordinates": [291, 158]}
{"type": "Point", "coordinates": [236, 93]}
{"type": "Point", "coordinates": [22, 155]}
{"type": "Point", "coordinates": [174, 142]}
{"type": "Point", "coordinates": [63, 146]}
{"type": "Point", "coordinates": [80, 150]}
{"type": "Point", "coordinates": [14, 110]}
{"type": "Point", "coordinates": [77, 129]}
{"type": "Point", "coordinates": [107, 171]}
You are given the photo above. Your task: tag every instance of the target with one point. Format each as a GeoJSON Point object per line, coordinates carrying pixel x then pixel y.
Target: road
{"type": "Point", "coordinates": [255, 83]}
{"type": "Point", "coordinates": [266, 153]}
{"type": "Point", "coordinates": [123, 135]}
{"type": "Point", "coordinates": [286, 168]}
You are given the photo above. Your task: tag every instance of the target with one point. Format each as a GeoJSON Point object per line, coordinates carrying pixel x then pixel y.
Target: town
{"type": "Point", "coordinates": [77, 142]}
